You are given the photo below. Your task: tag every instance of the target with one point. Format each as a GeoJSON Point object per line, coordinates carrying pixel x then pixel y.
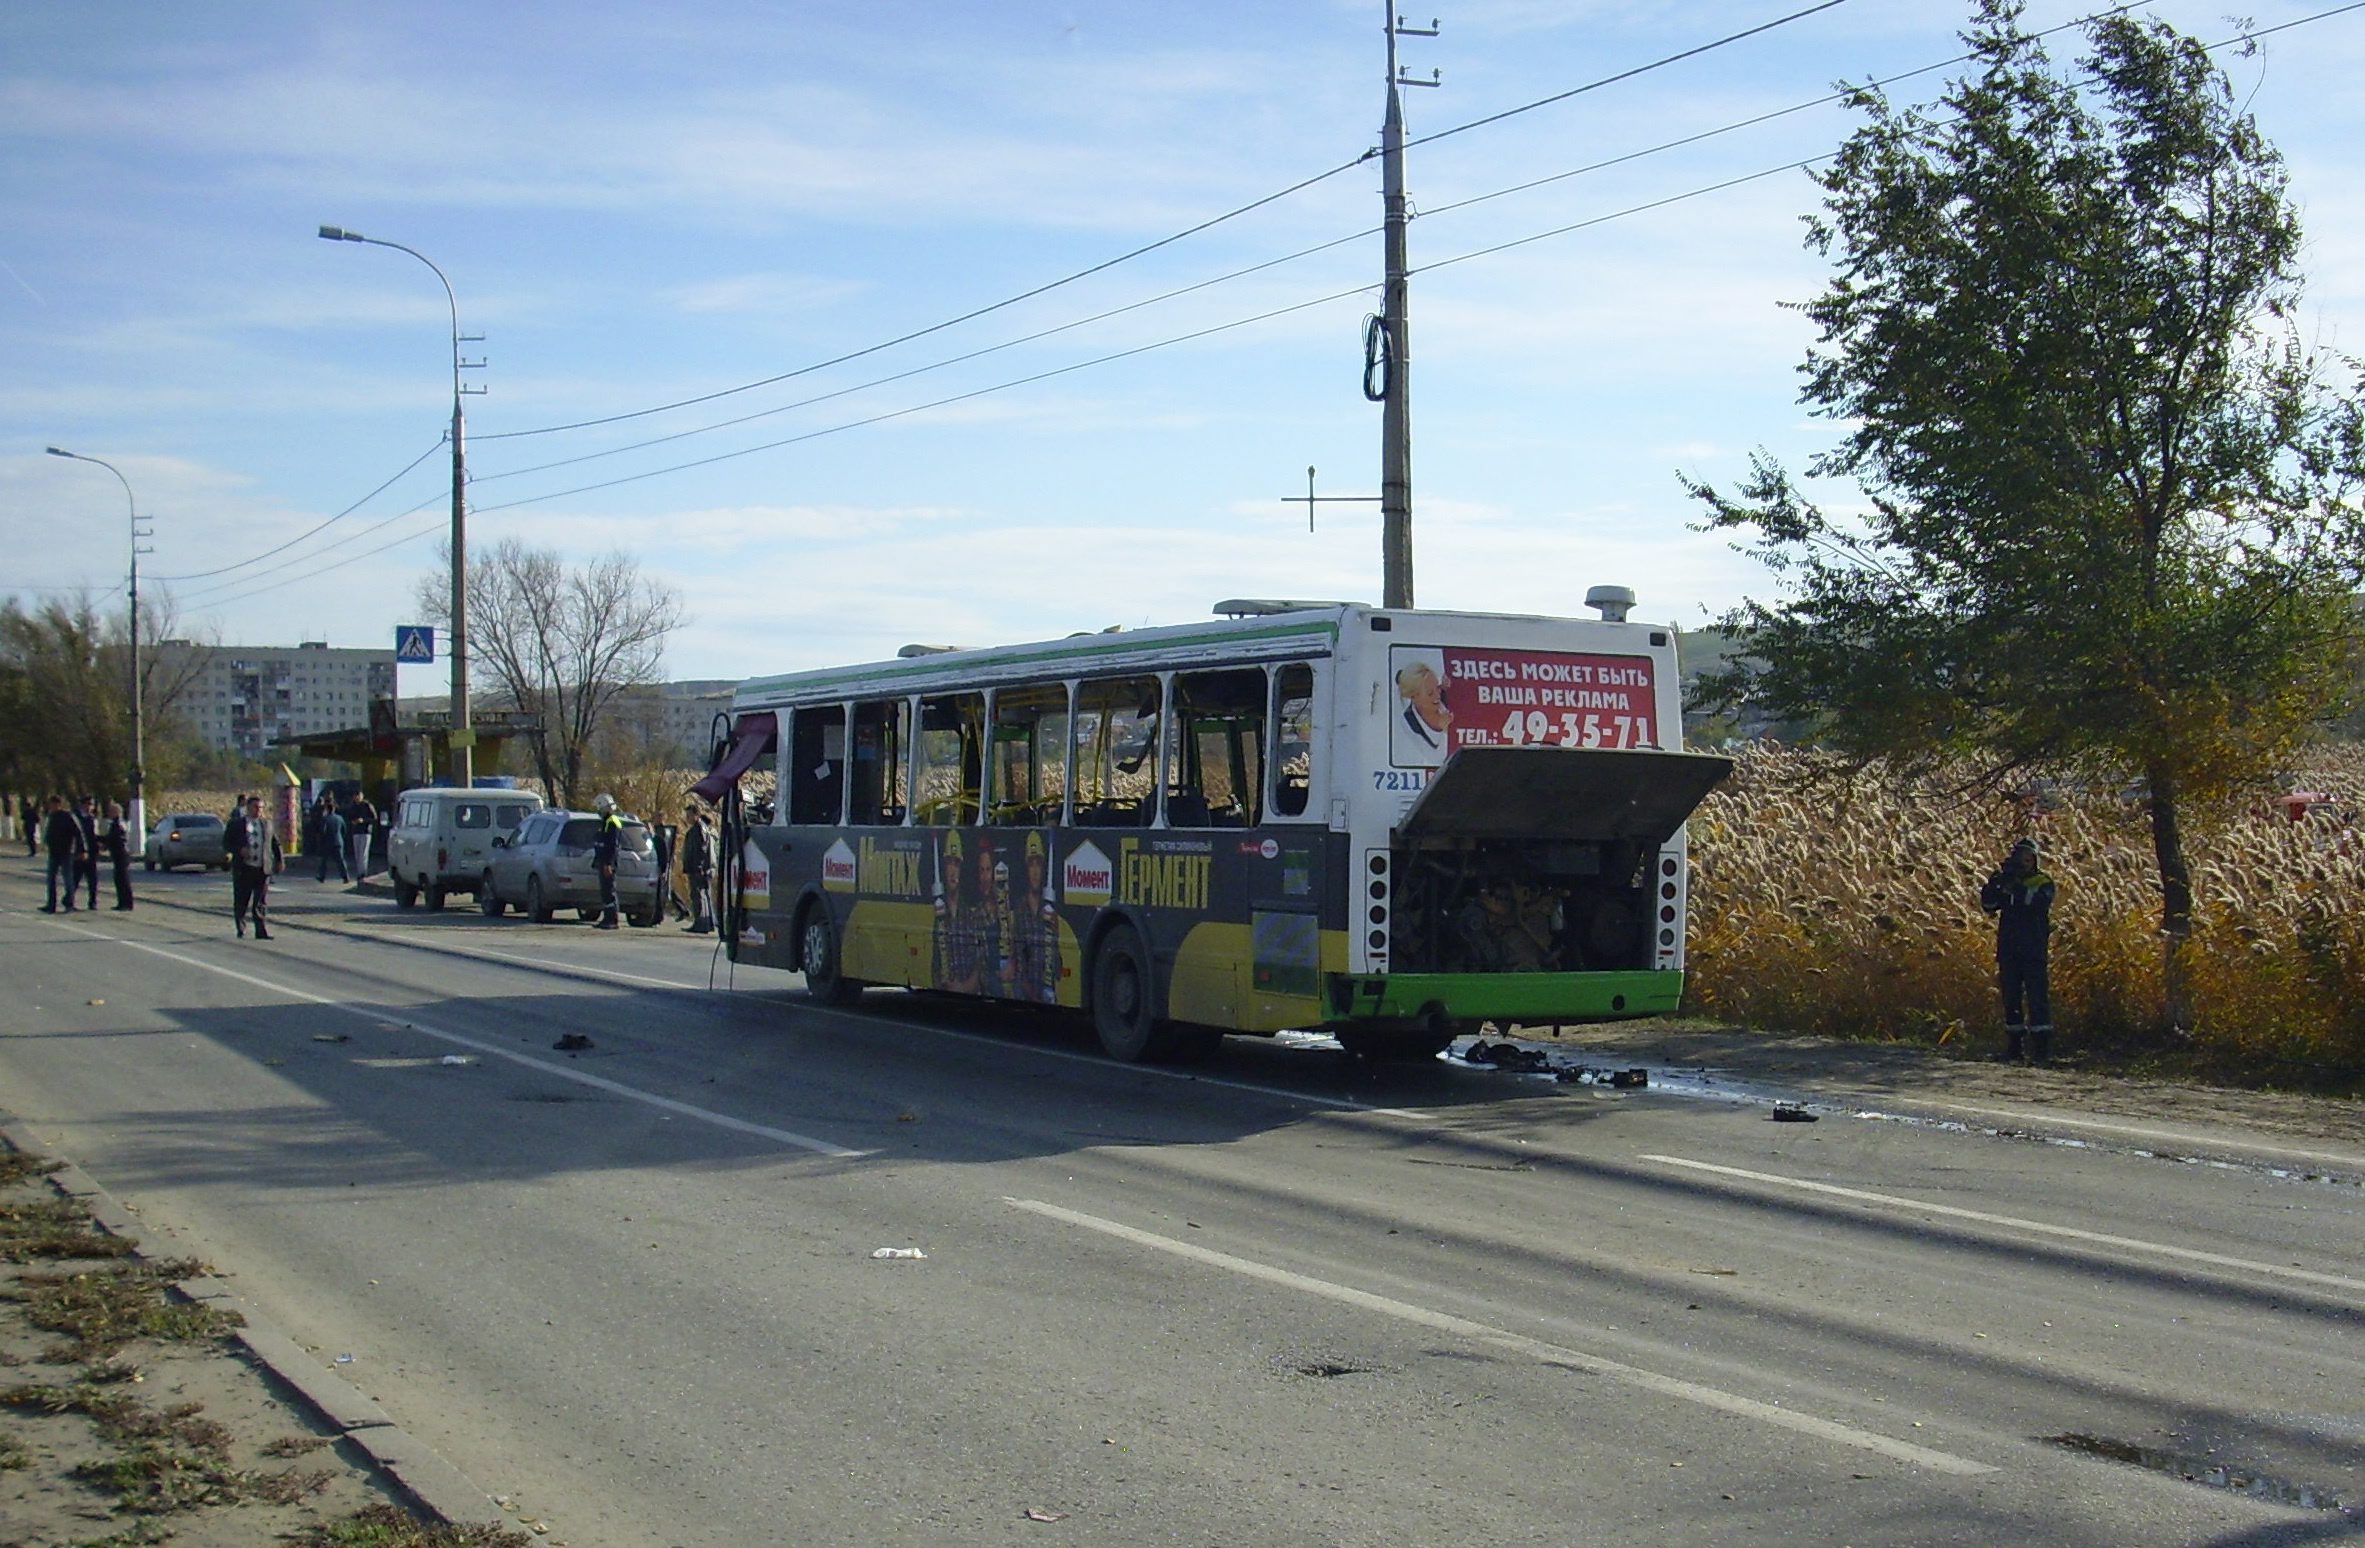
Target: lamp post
{"type": "Point", "coordinates": [138, 808]}
{"type": "Point", "coordinates": [463, 737]}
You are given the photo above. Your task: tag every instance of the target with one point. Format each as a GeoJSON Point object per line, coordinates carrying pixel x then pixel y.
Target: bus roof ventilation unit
{"type": "Point", "coordinates": [1265, 607]}
{"type": "Point", "coordinates": [1613, 603]}
{"type": "Point", "coordinates": [909, 651]}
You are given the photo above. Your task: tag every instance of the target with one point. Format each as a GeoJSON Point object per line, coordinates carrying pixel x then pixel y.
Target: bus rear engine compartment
{"type": "Point", "coordinates": [1520, 906]}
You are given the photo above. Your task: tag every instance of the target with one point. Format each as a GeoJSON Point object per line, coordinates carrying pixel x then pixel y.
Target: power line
{"type": "Point", "coordinates": [950, 322]}
{"type": "Point", "coordinates": [1623, 75]}
{"type": "Point", "coordinates": [938, 365]}
{"type": "Point", "coordinates": [921, 408]}
{"type": "Point", "coordinates": [1563, 230]}
{"type": "Point", "coordinates": [1165, 241]}
{"type": "Point", "coordinates": [205, 592]}
{"type": "Point", "coordinates": [881, 381]}
{"type": "Point", "coordinates": [324, 526]}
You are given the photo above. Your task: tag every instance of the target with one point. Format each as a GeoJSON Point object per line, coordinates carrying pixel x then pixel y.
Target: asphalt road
{"type": "Point", "coordinates": [1280, 1299]}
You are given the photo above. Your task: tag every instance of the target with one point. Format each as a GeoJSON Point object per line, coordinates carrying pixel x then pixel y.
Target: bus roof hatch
{"type": "Point", "coordinates": [1576, 794]}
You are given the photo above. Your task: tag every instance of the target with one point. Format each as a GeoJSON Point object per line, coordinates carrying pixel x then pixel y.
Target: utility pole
{"type": "Point", "coordinates": [1392, 344]}
{"type": "Point", "coordinates": [463, 734]}
{"type": "Point", "coordinates": [136, 809]}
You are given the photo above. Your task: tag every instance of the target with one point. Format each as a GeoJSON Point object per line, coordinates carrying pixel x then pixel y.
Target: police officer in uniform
{"type": "Point", "coordinates": [603, 855]}
{"type": "Point", "coordinates": [2020, 895]}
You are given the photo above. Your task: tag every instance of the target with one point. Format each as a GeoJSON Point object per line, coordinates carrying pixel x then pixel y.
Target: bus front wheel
{"type": "Point", "coordinates": [1123, 1001]}
{"type": "Point", "coordinates": [818, 942]}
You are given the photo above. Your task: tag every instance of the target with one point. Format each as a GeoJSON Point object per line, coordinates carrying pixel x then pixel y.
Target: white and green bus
{"type": "Point", "coordinates": [1389, 825]}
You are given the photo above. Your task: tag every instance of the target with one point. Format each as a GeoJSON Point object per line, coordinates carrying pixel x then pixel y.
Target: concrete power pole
{"type": "Point", "coordinates": [1391, 350]}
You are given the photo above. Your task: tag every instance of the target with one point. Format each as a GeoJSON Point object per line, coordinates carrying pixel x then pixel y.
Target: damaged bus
{"type": "Point", "coordinates": [1389, 825]}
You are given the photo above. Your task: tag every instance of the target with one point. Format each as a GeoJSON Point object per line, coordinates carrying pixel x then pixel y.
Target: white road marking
{"type": "Point", "coordinates": [378, 1014]}
{"type": "Point", "coordinates": [1537, 1349]}
{"type": "Point", "coordinates": [2016, 1223]}
{"type": "Point", "coordinates": [2182, 1139]}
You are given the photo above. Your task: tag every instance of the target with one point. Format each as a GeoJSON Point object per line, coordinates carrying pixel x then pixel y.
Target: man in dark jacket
{"type": "Point", "coordinates": [116, 842]}
{"type": "Point", "coordinates": [361, 820]}
{"type": "Point", "coordinates": [2020, 895]}
{"type": "Point", "coordinates": [698, 856]}
{"type": "Point", "coordinates": [63, 835]}
{"type": "Point", "coordinates": [255, 858]}
{"type": "Point", "coordinates": [86, 866]}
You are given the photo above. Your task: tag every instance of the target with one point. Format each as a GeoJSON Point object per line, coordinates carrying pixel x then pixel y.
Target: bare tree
{"type": "Point", "coordinates": [557, 642]}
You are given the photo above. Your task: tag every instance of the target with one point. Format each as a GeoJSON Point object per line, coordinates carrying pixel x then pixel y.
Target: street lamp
{"type": "Point", "coordinates": [139, 800]}
{"type": "Point", "coordinates": [463, 737]}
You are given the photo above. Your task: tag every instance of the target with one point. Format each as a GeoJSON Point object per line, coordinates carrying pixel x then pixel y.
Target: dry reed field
{"type": "Point", "coordinates": [1847, 903]}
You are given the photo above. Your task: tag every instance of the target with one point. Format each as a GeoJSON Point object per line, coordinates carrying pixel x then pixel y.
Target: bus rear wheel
{"type": "Point", "coordinates": [1124, 1000]}
{"type": "Point", "coordinates": [818, 947]}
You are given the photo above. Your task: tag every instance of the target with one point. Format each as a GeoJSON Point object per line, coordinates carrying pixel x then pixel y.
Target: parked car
{"type": "Point", "coordinates": [442, 840]}
{"type": "Point", "coordinates": [192, 838]}
{"type": "Point", "coordinates": [546, 865]}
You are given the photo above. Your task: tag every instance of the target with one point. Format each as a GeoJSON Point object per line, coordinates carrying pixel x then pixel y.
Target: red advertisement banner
{"type": "Point", "coordinates": [1454, 696]}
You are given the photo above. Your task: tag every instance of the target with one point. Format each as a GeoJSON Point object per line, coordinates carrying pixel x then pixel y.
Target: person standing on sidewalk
{"type": "Point", "coordinates": [2020, 895]}
{"type": "Point", "coordinates": [603, 856]}
{"type": "Point", "coordinates": [255, 857]}
{"type": "Point", "coordinates": [86, 865]}
{"type": "Point", "coordinates": [698, 868]}
{"type": "Point", "coordinates": [361, 819]}
{"type": "Point", "coordinates": [29, 820]}
{"type": "Point", "coordinates": [332, 840]}
{"type": "Point", "coordinates": [63, 835]}
{"type": "Point", "coordinates": [116, 841]}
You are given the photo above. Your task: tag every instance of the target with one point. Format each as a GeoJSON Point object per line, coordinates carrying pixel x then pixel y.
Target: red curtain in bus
{"type": "Point", "coordinates": [751, 738]}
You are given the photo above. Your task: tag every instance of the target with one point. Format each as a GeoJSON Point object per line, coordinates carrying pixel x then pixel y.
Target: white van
{"type": "Point", "coordinates": [441, 841]}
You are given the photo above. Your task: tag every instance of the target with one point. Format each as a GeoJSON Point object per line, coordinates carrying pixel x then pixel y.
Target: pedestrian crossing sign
{"type": "Point", "coordinates": [414, 642]}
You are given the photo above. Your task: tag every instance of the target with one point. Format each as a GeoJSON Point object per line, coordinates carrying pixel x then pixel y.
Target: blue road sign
{"type": "Point", "coordinates": [414, 642]}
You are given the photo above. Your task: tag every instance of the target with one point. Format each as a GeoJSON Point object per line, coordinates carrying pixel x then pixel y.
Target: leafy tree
{"type": "Point", "coordinates": [2110, 517]}
{"type": "Point", "coordinates": [559, 643]}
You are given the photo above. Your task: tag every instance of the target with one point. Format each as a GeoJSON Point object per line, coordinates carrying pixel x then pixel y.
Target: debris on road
{"type": "Point", "coordinates": [457, 1059]}
{"type": "Point", "coordinates": [898, 1252]}
{"type": "Point", "coordinates": [1791, 1112]}
{"type": "Point", "coordinates": [1506, 1056]}
{"type": "Point", "coordinates": [1033, 1514]}
{"type": "Point", "coordinates": [332, 1037]}
{"type": "Point", "coordinates": [573, 1042]}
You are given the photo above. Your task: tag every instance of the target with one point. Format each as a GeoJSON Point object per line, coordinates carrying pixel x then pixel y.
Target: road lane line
{"type": "Point", "coordinates": [496, 1051]}
{"type": "Point", "coordinates": [2184, 1140]}
{"type": "Point", "coordinates": [2015, 1222]}
{"type": "Point", "coordinates": [1516, 1343]}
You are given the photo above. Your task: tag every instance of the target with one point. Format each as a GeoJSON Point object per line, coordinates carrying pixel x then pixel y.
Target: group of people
{"type": "Point", "coordinates": [340, 835]}
{"type": "Point", "coordinates": [76, 837]}
{"type": "Point", "coordinates": [698, 848]}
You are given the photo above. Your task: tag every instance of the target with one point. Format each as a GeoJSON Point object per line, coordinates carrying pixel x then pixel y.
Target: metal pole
{"type": "Point", "coordinates": [463, 764]}
{"type": "Point", "coordinates": [136, 810]}
{"type": "Point", "coordinates": [1396, 319]}
{"type": "Point", "coordinates": [463, 750]}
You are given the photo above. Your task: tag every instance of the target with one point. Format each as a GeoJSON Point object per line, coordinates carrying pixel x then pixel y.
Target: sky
{"type": "Point", "coordinates": [639, 205]}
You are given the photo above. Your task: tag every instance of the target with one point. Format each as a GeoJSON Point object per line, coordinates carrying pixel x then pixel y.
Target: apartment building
{"type": "Point", "coordinates": [246, 697]}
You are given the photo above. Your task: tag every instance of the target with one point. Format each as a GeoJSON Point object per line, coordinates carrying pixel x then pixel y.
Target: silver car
{"type": "Point", "coordinates": [193, 838]}
{"type": "Point", "coordinates": [546, 864]}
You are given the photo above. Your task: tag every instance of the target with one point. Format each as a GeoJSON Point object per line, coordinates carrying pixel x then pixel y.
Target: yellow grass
{"type": "Point", "coordinates": [1849, 903]}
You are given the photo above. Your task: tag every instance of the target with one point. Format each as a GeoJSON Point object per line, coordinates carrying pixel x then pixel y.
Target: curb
{"type": "Point", "coordinates": [432, 1486]}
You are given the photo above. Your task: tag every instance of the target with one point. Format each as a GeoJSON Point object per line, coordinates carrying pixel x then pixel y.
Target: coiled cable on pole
{"type": "Point", "coordinates": [1379, 358]}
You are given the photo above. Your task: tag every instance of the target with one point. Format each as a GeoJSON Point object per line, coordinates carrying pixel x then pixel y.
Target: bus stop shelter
{"type": "Point", "coordinates": [396, 755]}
